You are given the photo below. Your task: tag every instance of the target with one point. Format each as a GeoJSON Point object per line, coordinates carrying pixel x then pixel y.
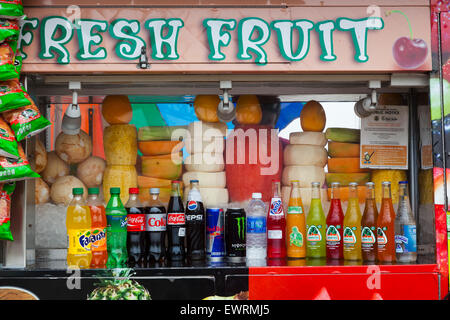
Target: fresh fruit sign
{"type": "Point", "coordinates": [308, 39]}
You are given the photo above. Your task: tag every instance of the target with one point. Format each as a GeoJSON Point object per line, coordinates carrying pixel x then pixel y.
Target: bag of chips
{"type": "Point", "coordinates": [26, 121]}
{"type": "Point", "coordinates": [9, 30]}
{"type": "Point", "coordinates": [11, 9]}
{"type": "Point", "coordinates": [12, 95]}
{"type": "Point", "coordinates": [8, 142]}
{"type": "Point", "coordinates": [18, 63]}
{"type": "Point", "coordinates": [7, 56]}
{"type": "Point", "coordinates": [5, 210]}
{"type": "Point", "coordinates": [16, 169]}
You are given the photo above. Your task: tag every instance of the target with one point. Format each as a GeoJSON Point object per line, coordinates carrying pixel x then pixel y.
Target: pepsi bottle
{"type": "Point", "coordinates": [195, 224]}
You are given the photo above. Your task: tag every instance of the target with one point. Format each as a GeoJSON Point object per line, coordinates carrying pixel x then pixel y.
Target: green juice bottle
{"type": "Point", "coordinates": [315, 226]}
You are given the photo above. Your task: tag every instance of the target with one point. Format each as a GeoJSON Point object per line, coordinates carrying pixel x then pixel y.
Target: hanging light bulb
{"type": "Point", "coordinates": [71, 122]}
{"type": "Point", "coordinates": [226, 111]}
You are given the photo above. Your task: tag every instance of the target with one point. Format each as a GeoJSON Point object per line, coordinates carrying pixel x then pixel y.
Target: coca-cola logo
{"type": "Point", "coordinates": [192, 205]}
{"type": "Point", "coordinates": [136, 222]}
{"type": "Point", "coordinates": [276, 207]}
{"type": "Point", "coordinates": [156, 222]}
{"type": "Point", "coordinates": [176, 218]}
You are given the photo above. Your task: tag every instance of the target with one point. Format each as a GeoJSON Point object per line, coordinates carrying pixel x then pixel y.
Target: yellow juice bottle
{"type": "Point", "coordinates": [78, 224]}
{"type": "Point", "coordinates": [352, 226]}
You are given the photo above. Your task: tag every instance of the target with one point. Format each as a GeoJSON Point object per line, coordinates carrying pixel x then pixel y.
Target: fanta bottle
{"type": "Point", "coordinates": [276, 225]}
{"type": "Point", "coordinates": [315, 226]}
{"type": "Point", "coordinates": [295, 224]}
{"type": "Point", "coordinates": [78, 224]}
{"type": "Point", "coordinates": [352, 226]}
{"type": "Point", "coordinates": [98, 229]}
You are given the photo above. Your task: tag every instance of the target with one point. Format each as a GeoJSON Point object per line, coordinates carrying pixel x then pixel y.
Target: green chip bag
{"type": "Point", "coordinates": [26, 121]}
{"type": "Point", "coordinates": [18, 63]}
{"type": "Point", "coordinates": [5, 211]}
{"type": "Point", "coordinates": [12, 9]}
{"type": "Point", "coordinates": [12, 95]}
{"type": "Point", "coordinates": [9, 30]}
{"type": "Point", "coordinates": [16, 169]}
{"type": "Point", "coordinates": [7, 57]}
{"type": "Point", "coordinates": [8, 142]}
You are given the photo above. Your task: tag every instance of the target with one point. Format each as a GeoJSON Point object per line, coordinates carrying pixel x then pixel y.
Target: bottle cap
{"type": "Point", "coordinates": [154, 190]}
{"type": "Point", "coordinates": [256, 195]}
{"type": "Point", "coordinates": [133, 191]}
{"type": "Point", "coordinates": [403, 182]}
{"type": "Point", "coordinates": [93, 191]}
{"type": "Point", "coordinates": [315, 184]}
{"type": "Point", "coordinates": [370, 184]}
{"type": "Point", "coordinates": [76, 191]}
{"type": "Point", "coordinates": [335, 184]}
{"type": "Point", "coordinates": [114, 190]}
{"type": "Point", "coordinates": [387, 183]}
{"type": "Point", "coordinates": [176, 181]}
{"type": "Point", "coordinates": [194, 181]}
{"type": "Point", "coordinates": [353, 184]}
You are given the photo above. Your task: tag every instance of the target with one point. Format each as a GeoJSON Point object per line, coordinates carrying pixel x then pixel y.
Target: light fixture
{"type": "Point", "coordinates": [226, 111]}
{"type": "Point", "coordinates": [143, 60]}
{"type": "Point", "coordinates": [366, 106]}
{"type": "Point", "coordinates": [71, 122]}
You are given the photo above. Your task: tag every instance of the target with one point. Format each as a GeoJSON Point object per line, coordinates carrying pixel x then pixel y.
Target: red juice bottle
{"type": "Point", "coordinates": [276, 225]}
{"type": "Point", "coordinates": [335, 221]}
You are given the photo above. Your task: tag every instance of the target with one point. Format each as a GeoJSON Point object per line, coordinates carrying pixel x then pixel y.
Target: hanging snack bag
{"type": "Point", "coordinates": [16, 169]}
{"type": "Point", "coordinates": [7, 56]}
{"type": "Point", "coordinates": [11, 9]}
{"type": "Point", "coordinates": [18, 63]}
{"type": "Point", "coordinates": [8, 142]}
{"type": "Point", "coordinates": [5, 210]}
{"type": "Point", "coordinates": [9, 30]}
{"type": "Point", "coordinates": [12, 95]}
{"type": "Point", "coordinates": [26, 121]}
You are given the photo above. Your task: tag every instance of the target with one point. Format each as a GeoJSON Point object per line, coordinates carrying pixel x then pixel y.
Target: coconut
{"type": "Point", "coordinates": [55, 168]}
{"type": "Point", "coordinates": [61, 190]}
{"type": "Point", "coordinates": [41, 192]}
{"type": "Point", "coordinates": [90, 171]}
{"type": "Point", "coordinates": [73, 148]}
{"type": "Point", "coordinates": [40, 155]}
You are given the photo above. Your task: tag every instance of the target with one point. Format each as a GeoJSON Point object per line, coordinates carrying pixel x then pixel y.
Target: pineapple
{"type": "Point", "coordinates": [119, 287]}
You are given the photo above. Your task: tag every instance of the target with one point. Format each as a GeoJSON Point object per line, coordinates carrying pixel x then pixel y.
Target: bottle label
{"type": "Point", "coordinates": [274, 234]}
{"type": "Point", "coordinates": [313, 233]}
{"type": "Point", "coordinates": [181, 232]}
{"type": "Point", "coordinates": [155, 222]}
{"type": "Point", "coordinates": [295, 210]}
{"type": "Point", "coordinates": [349, 236]}
{"type": "Point", "coordinates": [295, 237]}
{"type": "Point", "coordinates": [381, 237]}
{"type": "Point", "coordinates": [79, 241]}
{"type": "Point", "coordinates": [136, 222]}
{"type": "Point", "coordinates": [367, 237]}
{"type": "Point", "coordinates": [256, 225]}
{"type": "Point", "coordinates": [98, 239]}
{"type": "Point", "coordinates": [332, 234]}
{"type": "Point", "coordinates": [407, 242]}
{"type": "Point", "coordinates": [177, 218]}
{"type": "Point", "coordinates": [116, 223]}
{"type": "Point", "coordinates": [276, 207]}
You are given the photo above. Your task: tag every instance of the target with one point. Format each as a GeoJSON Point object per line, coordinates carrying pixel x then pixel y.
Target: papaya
{"type": "Point", "coordinates": [343, 149]}
{"type": "Point", "coordinates": [343, 135]}
{"type": "Point", "coordinates": [344, 191]}
{"type": "Point", "coordinates": [158, 147]}
{"type": "Point", "coordinates": [344, 165]}
{"type": "Point", "coordinates": [116, 109]}
{"type": "Point", "coordinates": [345, 178]}
{"type": "Point", "coordinates": [312, 117]}
{"type": "Point", "coordinates": [163, 167]}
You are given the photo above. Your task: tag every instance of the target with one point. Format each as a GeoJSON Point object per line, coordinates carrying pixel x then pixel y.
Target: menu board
{"type": "Point", "coordinates": [384, 138]}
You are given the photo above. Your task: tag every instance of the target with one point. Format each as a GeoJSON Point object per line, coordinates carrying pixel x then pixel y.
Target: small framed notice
{"type": "Point", "coordinates": [384, 138]}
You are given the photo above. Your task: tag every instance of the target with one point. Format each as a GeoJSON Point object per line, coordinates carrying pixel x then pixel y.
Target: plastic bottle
{"type": "Point", "coordinates": [369, 226]}
{"type": "Point", "coordinates": [276, 225]}
{"type": "Point", "coordinates": [405, 228]}
{"type": "Point", "coordinates": [315, 226]}
{"type": "Point", "coordinates": [256, 229]}
{"type": "Point", "coordinates": [195, 224]}
{"type": "Point", "coordinates": [137, 240]}
{"type": "Point", "coordinates": [116, 231]}
{"type": "Point", "coordinates": [295, 224]}
{"type": "Point", "coordinates": [335, 225]}
{"type": "Point", "coordinates": [386, 227]}
{"type": "Point", "coordinates": [352, 226]}
{"type": "Point", "coordinates": [156, 226]}
{"type": "Point", "coordinates": [98, 227]}
{"type": "Point", "coordinates": [78, 224]}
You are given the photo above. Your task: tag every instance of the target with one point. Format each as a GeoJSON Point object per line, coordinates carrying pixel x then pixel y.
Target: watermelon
{"type": "Point", "coordinates": [252, 172]}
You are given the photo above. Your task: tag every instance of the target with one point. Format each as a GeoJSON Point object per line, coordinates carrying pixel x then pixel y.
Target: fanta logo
{"type": "Point", "coordinates": [276, 207]}
{"type": "Point", "coordinates": [85, 240]}
{"type": "Point", "coordinates": [97, 237]}
{"type": "Point", "coordinates": [192, 205]}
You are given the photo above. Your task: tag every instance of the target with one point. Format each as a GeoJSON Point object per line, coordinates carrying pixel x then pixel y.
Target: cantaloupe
{"type": "Point", "coordinates": [344, 192]}
{"type": "Point", "coordinates": [245, 176]}
{"type": "Point", "coordinates": [343, 149]}
{"type": "Point", "coordinates": [158, 147]}
{"type": "Point", "coordinates": [120, 144]}
{"type": "Point", "coordinates": [308, 137]}
{"type": "Point", "coordinates": [305, 155]}
{"type": "Point", "coordinates": [123, 177]}
{"type": "Point", "coordinates": [345, 178]}
{"type": "Point", "coordinates": [344, 165]}
{"type": "Point", "coordinates": [305, 174]}
{"type": "Point", "coordinates": [163, 167]}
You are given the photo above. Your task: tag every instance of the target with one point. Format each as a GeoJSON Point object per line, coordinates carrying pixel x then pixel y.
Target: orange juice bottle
{"type": "Point", "coordinates": [352, 226]}
{"type": "Point", "coordinates": [78, 224]}
{"type": "Point", "coordinates": [98, 233]}
{"type": "Point", "coordinates": [386, 226]}
{"type": "Point", "coordinates": [295, 224]}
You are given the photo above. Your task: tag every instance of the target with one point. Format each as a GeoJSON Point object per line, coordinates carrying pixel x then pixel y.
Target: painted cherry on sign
{"type": "Point", "coordinates": [409, 52]}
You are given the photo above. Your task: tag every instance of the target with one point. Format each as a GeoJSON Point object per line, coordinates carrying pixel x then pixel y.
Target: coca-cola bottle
{"type": "Point", "coordinates": [156, 220]}
{"type": "Point", "coordinates": [136, 237]}
{"type": "Point", "coordinates": [195, 224]}
{"type": "Point", "coordinates": [176, 227]}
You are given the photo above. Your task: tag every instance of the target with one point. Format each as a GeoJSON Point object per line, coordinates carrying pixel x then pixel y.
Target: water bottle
{"type": "Point", "coordinates": [256, 242]}
{"type": "Point", "coordinates": [405, 228]}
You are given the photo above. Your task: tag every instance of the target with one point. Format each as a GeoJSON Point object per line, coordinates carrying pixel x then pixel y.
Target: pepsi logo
{"type": "Point", "coordinates": [192, 205]}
